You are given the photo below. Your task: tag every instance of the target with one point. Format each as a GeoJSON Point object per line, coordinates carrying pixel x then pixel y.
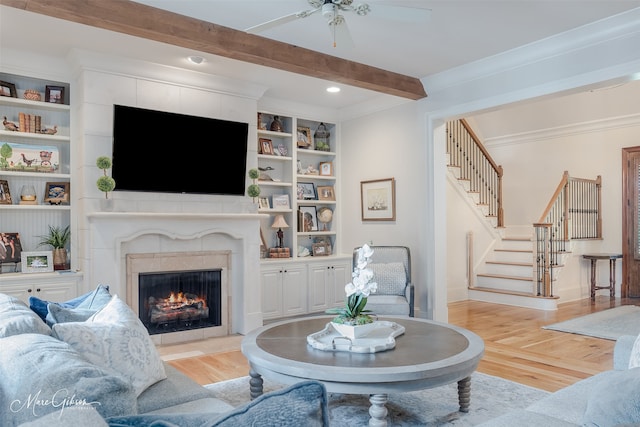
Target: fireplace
{"type": "Point", "coordinates": [180, 296]}
{"type": "Point", "coordinates": [180, 301]}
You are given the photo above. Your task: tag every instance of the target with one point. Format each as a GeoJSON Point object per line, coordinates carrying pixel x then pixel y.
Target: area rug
{"type": "Point", "coordinates": [490, 397]}
{"type": "Point", "coordinates": [609, 324]}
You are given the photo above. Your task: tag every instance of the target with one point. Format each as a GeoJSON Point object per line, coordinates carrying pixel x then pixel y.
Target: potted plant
{"type": "Point", "coordinates": [353, 321]}
{"type": "Point", "coordinates": [58, 239]}
{"type": "Point", "coordinates": [105, 183]}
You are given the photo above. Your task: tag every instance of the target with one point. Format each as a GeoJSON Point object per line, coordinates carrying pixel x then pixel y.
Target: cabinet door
{"type": "Point", "coordinates": [319, 287]}
{"type": "Point", "coordinates": [294, 291]}
{"type": "Point", "coordinates": [47, 291]}
{"type": "Point", "coordinates": [341, 275]}
{"type": "Point", "coordinates": [271, 280]}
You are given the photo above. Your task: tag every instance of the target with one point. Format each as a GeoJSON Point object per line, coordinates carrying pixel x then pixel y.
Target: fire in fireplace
{"type": "Point", "coordinates": [179, 301]}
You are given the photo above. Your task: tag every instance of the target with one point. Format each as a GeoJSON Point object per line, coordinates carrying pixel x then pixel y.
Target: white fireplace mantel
{"type": "Point", "coordinates": [111, 235]}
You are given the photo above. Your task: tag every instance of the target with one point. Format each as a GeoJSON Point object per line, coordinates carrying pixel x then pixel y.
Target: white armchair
{"type": "Point", "coordinates": [391, 267]}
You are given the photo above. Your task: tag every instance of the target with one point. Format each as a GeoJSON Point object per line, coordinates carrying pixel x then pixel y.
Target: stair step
{"type": "Point", "coordinates": [518, 299]}
{"type": "Point", "coordinates": [508, 292]}
{"type": "Point", "coordinates": [519, 264]}
{"type": "Point", "coordinates": [503, 276]}
{"type": "Point", "coordinates": [515, 250]}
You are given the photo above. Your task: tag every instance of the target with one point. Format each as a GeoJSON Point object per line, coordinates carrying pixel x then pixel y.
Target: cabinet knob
{"type": "Point", "coordinates": [37, 289]}
{"type": "Point", "coordinates": [29, 290]}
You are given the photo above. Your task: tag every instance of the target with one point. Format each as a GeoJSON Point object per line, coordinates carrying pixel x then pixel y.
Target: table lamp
{"type": "Point", "coordinates": [279, 223]}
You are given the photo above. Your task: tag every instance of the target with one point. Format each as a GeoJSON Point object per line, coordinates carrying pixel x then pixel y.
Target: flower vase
{"type": "Point", "coordinates": [354, 332]}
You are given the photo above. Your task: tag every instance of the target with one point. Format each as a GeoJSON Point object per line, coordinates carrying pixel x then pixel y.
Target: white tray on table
{"type": "Point", "coordinates": [381, 338]}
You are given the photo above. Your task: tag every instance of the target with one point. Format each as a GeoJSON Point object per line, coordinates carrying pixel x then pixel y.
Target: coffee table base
{"type": "Point", "coordinates": [378, 409]}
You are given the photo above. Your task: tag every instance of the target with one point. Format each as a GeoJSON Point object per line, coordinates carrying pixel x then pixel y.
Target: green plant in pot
{"type": "Point", "coordinates": [105, 183]}
{"type": "Point", "coordinates": [58, 238]}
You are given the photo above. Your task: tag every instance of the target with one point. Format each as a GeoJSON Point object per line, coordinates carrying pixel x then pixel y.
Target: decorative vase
{"type": "Point", "coordinates": [354, 331]}
{"type": "Point", "coordinates": [60, 259]}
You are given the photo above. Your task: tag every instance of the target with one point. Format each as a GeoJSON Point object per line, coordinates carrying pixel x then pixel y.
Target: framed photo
{"type": "Point", "coordinates": [325, 192]}
{"type": "Point", "coordinates": [266, 146]}
{"type": "Point", "coordinates": [56, 193]}
{"type": "Point", "coordinates": [280, 201]}
{"type": "Point", "coordinates": [5, 194]}
{"type": "Point", "coordinates": [306, 191]}
{"type": "Point", "coordinates": [326, 168]}
{"type": "Point", "coordinates": [37, 262]}
{"type": "Point", "coordinates": [305, 140]}
{"type": "Point", "coordinates": [309, 218]}
{"type": "Point", "coordinates": [8, 89]}
{"type": "Point", "coordinates": [10, 248]}
{"type": "Point", "coordinates": [54, 94]}
{"type": "Point", "coordinates": [320, 249]}
{"type": "Point", "coordinates": [263, 203]}
{"type": "Point", "coordinates": [378, 200]}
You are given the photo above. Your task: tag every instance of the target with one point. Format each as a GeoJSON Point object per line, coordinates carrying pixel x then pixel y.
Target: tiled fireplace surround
{"type": "Point", "coordinates": [205, 240]}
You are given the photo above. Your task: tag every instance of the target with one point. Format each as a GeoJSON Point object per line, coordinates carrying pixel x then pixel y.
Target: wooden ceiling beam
{"type": "Point", "coordinates": [140, 20]}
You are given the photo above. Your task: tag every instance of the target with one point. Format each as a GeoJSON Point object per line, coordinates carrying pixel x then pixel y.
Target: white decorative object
{"type": "Point", "coordinates": [380, 337]}
{"type": "Point", "coordinates": [354, 331]}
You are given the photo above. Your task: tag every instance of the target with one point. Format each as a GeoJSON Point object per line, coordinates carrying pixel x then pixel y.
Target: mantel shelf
{"type": "Point", "coordinates": [126, 216]}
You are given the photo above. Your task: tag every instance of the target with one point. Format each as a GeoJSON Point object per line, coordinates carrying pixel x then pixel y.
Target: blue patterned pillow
{"type": "Point", "coordinates": [302, 404]}
{"type": "Point", "coordinates": [390, 277]}
{"type": "Point", "coordinates": [16, 318]}
{"type": "Point", "coordinates": [96, 299]}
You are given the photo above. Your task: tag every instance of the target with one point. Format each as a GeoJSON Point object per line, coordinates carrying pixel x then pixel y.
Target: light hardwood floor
{"type": "Point", "coordinates": [516, 346]}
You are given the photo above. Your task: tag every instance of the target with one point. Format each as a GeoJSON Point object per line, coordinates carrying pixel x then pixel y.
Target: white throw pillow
{"type": "Point", "coordinates": [390, 277]}
{"type": "Point", "coordinates": [634, 358]}
{"type": "Point", "coordinates": [115, 338]}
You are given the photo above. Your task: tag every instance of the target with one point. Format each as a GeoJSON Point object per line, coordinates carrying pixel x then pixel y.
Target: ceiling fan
{"type": "Point", "coordinates": [332, 11]}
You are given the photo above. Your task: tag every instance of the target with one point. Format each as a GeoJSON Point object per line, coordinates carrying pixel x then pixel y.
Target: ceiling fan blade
{"type": "Point", "coordinates": [279, 21]}
{"type": "Point", "coordinates": [401, 13]}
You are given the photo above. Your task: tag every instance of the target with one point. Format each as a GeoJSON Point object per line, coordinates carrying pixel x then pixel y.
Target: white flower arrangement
{"type": "Point", "coordinates": [357, 291]}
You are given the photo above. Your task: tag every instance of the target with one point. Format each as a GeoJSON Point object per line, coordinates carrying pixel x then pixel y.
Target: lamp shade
{"type": "Point", "coordinates": [279, 222]}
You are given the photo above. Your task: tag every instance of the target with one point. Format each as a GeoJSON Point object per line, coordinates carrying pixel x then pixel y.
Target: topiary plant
{"type": "Point", "coordinates": [105, 183]}
{"type": "Point", "coordinates": [254, 189]}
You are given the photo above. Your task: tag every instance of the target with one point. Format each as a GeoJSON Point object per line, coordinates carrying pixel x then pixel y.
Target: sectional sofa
{"type": "Point", "coordinates": [90, 361]}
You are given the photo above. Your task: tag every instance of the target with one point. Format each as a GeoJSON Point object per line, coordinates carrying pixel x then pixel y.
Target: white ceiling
{"type": "Point", "coordinates": [458, 32]}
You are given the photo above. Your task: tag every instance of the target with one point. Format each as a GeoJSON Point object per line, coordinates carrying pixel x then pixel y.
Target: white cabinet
{"type": "Point", "coordinates": [47, 286]}
{"type": "Point", "coordinates": [284, 290]}
{"type": "Point", "coordinates": [30, 158]}
{"type": "Point", "coordinates": [326, 284]}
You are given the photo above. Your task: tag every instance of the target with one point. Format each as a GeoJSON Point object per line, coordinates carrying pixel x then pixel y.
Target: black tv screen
{"type": "Point", "coordinates": [156, 151]}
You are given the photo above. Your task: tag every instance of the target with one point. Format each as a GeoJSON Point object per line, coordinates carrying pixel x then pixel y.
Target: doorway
{"type": "Point", "coordinates": [630, 220]}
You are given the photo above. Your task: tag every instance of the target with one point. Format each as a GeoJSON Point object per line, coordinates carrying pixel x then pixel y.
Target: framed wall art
{"type": "Point", "coordinates": [8, 89]}
{"type": "Point", "coordinates": [326, 168]}
{"type": "Point", "coordinates": [56, 193]}
{"type": "Point", "coordinates": [5, 194]}
{"type": "Point", "coordinates": [309, 219]}
{"type": "Point", "coordinates": [306, 191]}
{"type": "Point", "coordinates": [10, 248]}
{"type": "Point", "coordinates": [325, 192]}
{"type": "Point", "coordinates": [37, 262]}
{"type": "Point", "coordinates": [378, 200]}
{"type": "Point", "coordinates": [54, 94]}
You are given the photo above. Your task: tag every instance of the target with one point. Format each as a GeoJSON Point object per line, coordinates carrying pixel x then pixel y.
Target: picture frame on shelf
{"type": "Point", "coordinates": [266, 146]}
{"type": "Point", "coordinates": [326, 168]}
{"type": "Point", "coordinates": [378, 200]}
{"type": "Point", "coordinates": [304, 137]}
{"type": "Point", "coordinates": [306, 191]}
{"type": "Point", "coordinates": [56, 193]}
{"type": "Point", "coordinates": [8, 89]}
{"type": "Point", "coordinates": [10, 248]}
{"type": "Point", "coordinates": [320, 249]}
{"type": "Point", "coordinates": [309, 218]}
{"type": "Point", "coordinates": [281, 201]}
{"type": "Point", "coordinates": [263, 203]}
{"type": "Point", "coordinates": [326, 192]}
{"type": "Point", "coordinates": [33, 158]}
{"type": "Point", "coordinates": [5, 193]}
{"type": "Point", "coordinates": [54, 94]}
{"type": "Point", "coordinates": [37, 262]}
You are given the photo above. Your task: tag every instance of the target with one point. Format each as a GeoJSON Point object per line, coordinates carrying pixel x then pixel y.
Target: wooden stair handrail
{"type": "Point", "coordinates": [495, 167]}
{"type": "Point", "coordinates": [563, 182]}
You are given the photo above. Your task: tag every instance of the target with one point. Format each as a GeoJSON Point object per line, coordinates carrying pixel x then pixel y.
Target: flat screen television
{"type": "Point", "coordinates": [157, 151]}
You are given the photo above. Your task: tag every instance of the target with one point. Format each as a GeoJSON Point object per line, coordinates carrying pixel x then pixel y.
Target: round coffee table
{"type": "Point", "coordinates": [429, 354]}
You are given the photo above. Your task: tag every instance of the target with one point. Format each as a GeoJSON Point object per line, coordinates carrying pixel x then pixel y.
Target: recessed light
{"type": "Point", "coordinates": [333, 89]}
{"type": "Point", "coordinates": [196, 59]}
